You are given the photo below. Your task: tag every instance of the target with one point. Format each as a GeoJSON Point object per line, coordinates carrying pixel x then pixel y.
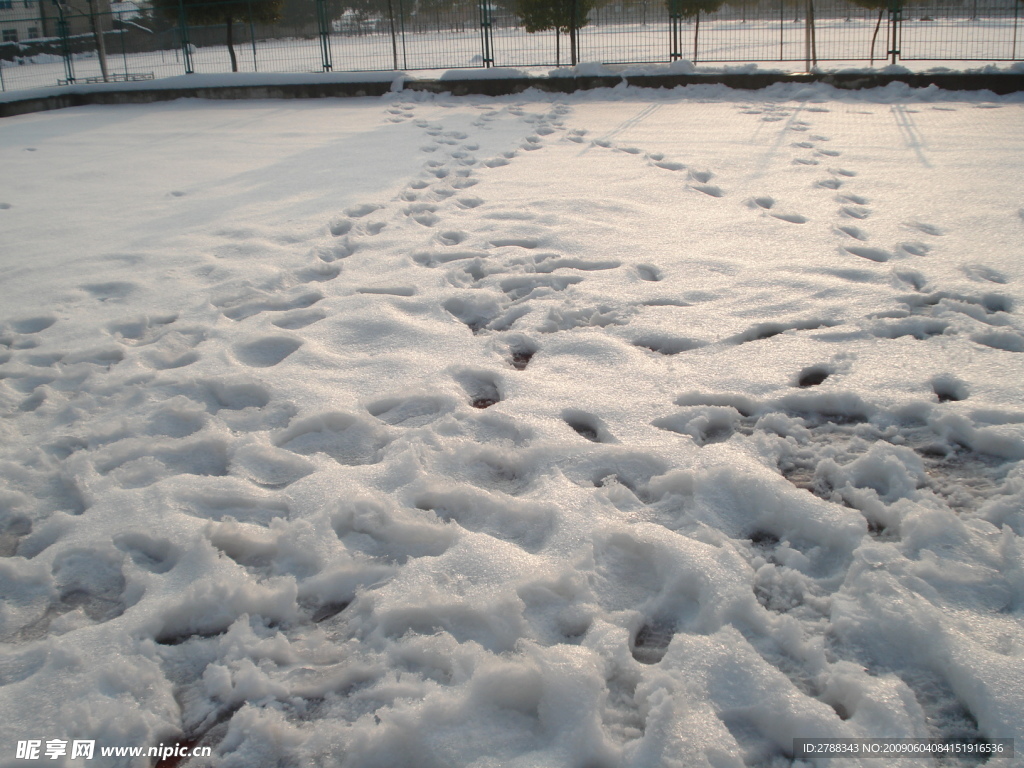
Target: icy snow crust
{"type": "Point", "coordinates": [624, 428]}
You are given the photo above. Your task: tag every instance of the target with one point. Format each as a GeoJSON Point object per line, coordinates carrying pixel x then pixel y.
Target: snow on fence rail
{"type": "Point", "coordinates": [78, 47]}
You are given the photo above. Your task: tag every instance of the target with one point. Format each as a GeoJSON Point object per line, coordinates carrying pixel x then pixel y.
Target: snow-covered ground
{"type": "Point", "coordinates": [626, 428]}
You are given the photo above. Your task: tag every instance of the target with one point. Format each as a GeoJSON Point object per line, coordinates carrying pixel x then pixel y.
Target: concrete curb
{"type": "Point", "coordinates": [998, 83]}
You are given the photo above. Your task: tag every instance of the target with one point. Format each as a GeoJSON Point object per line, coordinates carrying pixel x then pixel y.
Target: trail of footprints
{"type": "Point", "coordinates": [245, 503]}
{"type": "Point", "coordinates": [245, 406]}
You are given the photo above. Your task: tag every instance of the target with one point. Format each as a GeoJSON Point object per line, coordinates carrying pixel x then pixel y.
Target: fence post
{"type": "Point", "coordinates": [401, 29]}
{"type": "Point", "coordinates": [65, 45]}
{"type": "Point", "coordinates": [486, 33]}
{"type": "Point", "coordinates": [252, 35]}
{"type": "Point", "coordinates": [782, 29]}
{"type": "Point", "coordinates": [810, 42]}
{"type": "Point", "coordinates": [394, 37]}
{"type": "Point", "coordinates": [124, 49]}
{"type": "Point", "coordinates": [1016, 21]}
{"type": "Point", "coordinates": [325, 34]}
{"type": "Point", "coordinates": [675, 52]}
{"type": "Point", "coordinates": [186, 44]}
{"type": "Point", "coordinates": [574, 33]}
{"type": "Point", "coordinates": [101, 44]}
{"type": "Point", "coordinates": [896, 28]}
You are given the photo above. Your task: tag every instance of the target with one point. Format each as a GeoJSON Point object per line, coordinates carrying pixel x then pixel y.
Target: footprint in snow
{"type": "Point", "coordinates": [587, 425]}
{"type": "Point", "coordinates": [948, 388]}
{"type": "Point", "coordinates": [517, 242]}
{"type": "Point", "coordinates": [649, 273]}
{"type": "Point", "coordinates": [792, 218]}
{"type": "Point", "coordinates": [668, 345]}
{"type": "Point", "coordinates": [708, 189]}
{"type": "Point", "coordinates": [1007, 341]}
{"type": "Point", "coordinates": [813, 376]}
{"type": "Point", "coordinates": [240, 310]}
{"type": "Point", "coordinates": [982, 272]}
{"type": "Point", "coordinates": [35, 324]}
{"type": "Point", "coordinates": [92, 581]}
{"type": "Point", "coordinates": [318, 272]}
{"type": "Point", "coordinates": [151, 554]}
{"type": "Point", "coordinates": [915, 249]}
{"type": "Point", "coordinates": [347, 439]}
{"type": "Point", "coordinates": [409, 412]}
{"type": "Point", "coordinates": [266, 352]}
{"type": "Point", "coordinates": [872, 254]}
{"type": "Point", "coordinates": [855, 211]}
{"type": "Point", "coordinates": [103, 356]}
{"type": "Point", "coordinates": [171, 358]}
{"type": "Point", "coordinates": [928, 229]}
{"type": "Point", "coordinates": [109, 291]}
{"type": "Point", "coordinates": [357, 212]}
{"type": "Point", "coordinates": [652, 640]}
{"type": "Point", "coordinates": [268, 467]}
{"type": "Point", "coordinates": [452, 237]}
{"type": "Point", "coordinates": [400, 290]}
{"type": "Point", "coordinates": [526, 524]}
{"type": "Point", "coordinates": [854, 232]}
{"type": "Point", "coordinates": [293, 321]}
{"type": "Point", "coordinates": [342, 227]}
{"type": "Point", "coordinates": [521, 354]}
{"type": "Point", "coordinates": [482, 388]}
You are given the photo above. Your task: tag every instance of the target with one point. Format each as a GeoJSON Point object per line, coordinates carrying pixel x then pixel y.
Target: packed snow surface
{"type": "Point", "coordinates": [625, 428]}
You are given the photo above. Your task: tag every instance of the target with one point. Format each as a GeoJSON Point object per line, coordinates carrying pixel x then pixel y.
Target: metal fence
{"type": "Point", "coordinates": [48, 43]}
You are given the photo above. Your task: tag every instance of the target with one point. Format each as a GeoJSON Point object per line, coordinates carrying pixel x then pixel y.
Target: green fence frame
{"type": "Point", "coordinates": [184, 37]}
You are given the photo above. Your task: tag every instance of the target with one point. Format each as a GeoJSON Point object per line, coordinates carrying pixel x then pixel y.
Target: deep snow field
{"type": "Point", "coordinates": [626, 428]}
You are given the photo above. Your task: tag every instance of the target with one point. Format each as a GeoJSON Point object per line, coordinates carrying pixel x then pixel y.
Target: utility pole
{"type": "Point", "coordinates": [101, 45]}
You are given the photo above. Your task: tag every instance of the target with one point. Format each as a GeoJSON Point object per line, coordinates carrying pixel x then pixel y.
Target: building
{"type": "Point", "coordinates": [22, 20]}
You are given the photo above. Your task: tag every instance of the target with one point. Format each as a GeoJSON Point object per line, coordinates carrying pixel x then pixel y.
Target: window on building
{"type": "Point", "coordinates": [33, 33]}
{"type": "Point", "coordinates": [4, 5]}
{"type": "Point", "coordinates": [10, 35]}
